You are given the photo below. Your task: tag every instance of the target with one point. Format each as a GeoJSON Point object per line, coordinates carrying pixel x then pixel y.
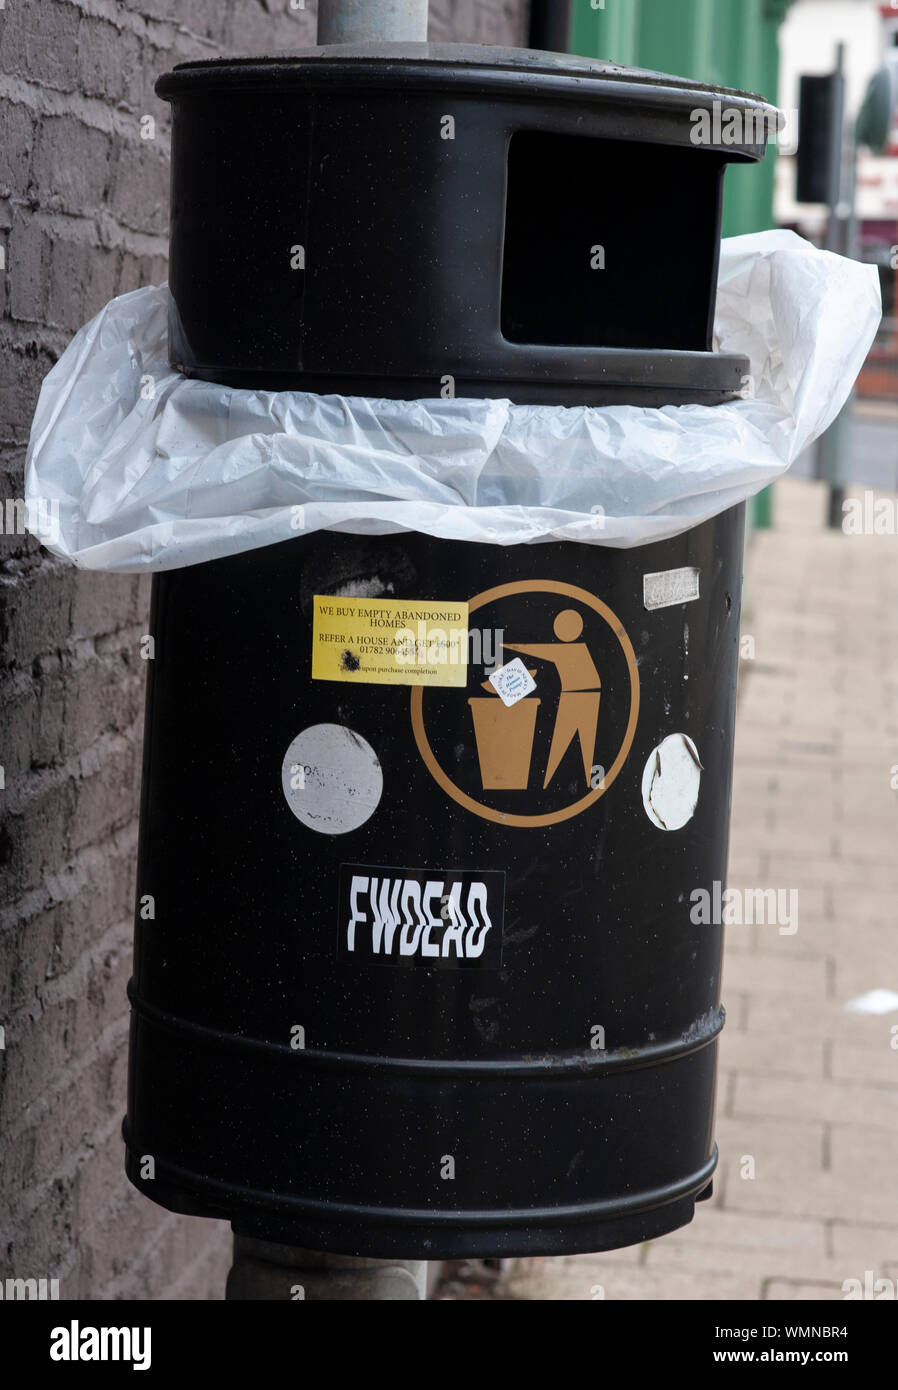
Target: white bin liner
{"type": "Point", "coordinates": [131, 466]}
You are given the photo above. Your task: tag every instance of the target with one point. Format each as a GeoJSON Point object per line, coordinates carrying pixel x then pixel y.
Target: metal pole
{"type": "Point", "coordinates": [833, 445]}
{"type": "Point", "coordinates": [372, 21]}
{"type": "Point", "coordinates": [264, 1270]}
{"type": "Point", "coordinates": [837, 157]}
{"type": "Point", "coordinates": [550, 25]}
{"type": "Point", "coordinates": [267, 1270]}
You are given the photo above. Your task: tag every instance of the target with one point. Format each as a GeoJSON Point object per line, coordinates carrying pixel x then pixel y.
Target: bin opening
{"type": "Point", "coordinates": [610, 243]}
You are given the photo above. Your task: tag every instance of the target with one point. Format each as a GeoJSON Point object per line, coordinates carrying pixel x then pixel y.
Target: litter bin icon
{"type": "Point", "coordinates": [421, 979]}
{"type": "Point", "coordinates": [504, 738]}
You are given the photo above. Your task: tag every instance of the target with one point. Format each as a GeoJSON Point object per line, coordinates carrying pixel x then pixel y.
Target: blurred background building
{"type": "Point", "coordinates": [808, 40]}
{"type": "Point", "coordinates": [767, 46]}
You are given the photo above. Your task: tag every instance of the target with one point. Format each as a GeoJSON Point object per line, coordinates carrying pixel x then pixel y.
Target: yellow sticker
{"type": "Point", "coordinates": [390, 641]}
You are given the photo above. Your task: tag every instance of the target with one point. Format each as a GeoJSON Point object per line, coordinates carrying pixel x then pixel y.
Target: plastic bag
{"type": "Point", "coordinates": [131, 466]}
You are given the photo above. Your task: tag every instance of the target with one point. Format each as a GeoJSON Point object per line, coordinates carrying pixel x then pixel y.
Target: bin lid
{"type": "Point", "coordinates": [745, 121]}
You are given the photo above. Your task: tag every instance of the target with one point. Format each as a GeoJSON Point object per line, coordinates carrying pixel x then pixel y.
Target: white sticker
{"type": "Point", "coordinates": [332, 779]}
{"type": "Point", "coordinates": [671, 781]}
{"type": "Point", "coordinates": [512, 682]}
{"type": "Point", "coordinates": [670, 587]}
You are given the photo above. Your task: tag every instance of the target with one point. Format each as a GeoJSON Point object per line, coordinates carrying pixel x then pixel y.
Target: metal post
{"type": "Point", "coordinates": [550, 25]}
{"type": "Point", "coordinates": [834, 230]}
{"type": "Point", "coordinates": [372, 21]}
{"type": "Point", "coordinates": [760, 189]}
{"type": "Point", "coordinates": [832, 445]}
{"type": "Point", "coordinates": [264, 1270]}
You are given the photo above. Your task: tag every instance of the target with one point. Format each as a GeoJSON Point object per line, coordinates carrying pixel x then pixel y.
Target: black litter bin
{"type": "Point", "coordinates": [415, 971]}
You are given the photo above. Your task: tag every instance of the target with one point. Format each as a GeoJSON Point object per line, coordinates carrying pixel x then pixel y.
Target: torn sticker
{"type": "Point", "coordinates": [670, 782]}
{"type": "Point", "coordinates": [332, 779]}
{"type": "Point", "coordinates": [666, 588]}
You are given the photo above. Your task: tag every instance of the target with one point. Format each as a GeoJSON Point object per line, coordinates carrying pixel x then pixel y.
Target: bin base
{"type": "Point", "coordinates": [411, 1235]}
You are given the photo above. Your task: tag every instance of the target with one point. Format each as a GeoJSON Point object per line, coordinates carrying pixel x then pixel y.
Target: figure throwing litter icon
{"type": "Point", "coordinates": [578, 704]}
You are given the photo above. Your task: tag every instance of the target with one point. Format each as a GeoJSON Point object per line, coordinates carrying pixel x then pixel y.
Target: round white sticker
{"type": "Point", "coordinates": [332, 779]}
{"type": "Point", "coordinates": [670, 782]}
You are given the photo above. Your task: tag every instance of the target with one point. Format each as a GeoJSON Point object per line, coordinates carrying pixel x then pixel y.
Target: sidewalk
{"type": "Point", "coordinates": [807, 1092]}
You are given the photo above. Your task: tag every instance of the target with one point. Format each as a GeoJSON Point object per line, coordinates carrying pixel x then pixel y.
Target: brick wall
{"type": "Point", "coordinates": [83, 217]}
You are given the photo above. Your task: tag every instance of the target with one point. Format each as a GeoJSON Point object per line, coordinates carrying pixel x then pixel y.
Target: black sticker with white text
{"type": "Point", "coordinates": [431, 917]}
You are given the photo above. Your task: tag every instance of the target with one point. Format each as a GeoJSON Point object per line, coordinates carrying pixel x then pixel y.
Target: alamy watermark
{"type": "Point", "coordinates": [37, 515]}
{"type": "Point", "coordinates": [728, 907]}
{"type": "Point", "coordinates": [19, 1290]}
{"type": "Point", "coordinates": [869, 1289]}
{"type": "Point", "coordinates": [84, 1343]}
{"type": "Point", "coordinates": [736, 125]}
{"type": "Point", "coordinates": [429, 646]}
{"type": "Point", "coordinates": [870, 515]}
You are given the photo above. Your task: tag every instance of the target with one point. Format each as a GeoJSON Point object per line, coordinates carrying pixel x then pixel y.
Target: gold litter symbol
{"type": "Point", "coordinates": [505, 735]}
